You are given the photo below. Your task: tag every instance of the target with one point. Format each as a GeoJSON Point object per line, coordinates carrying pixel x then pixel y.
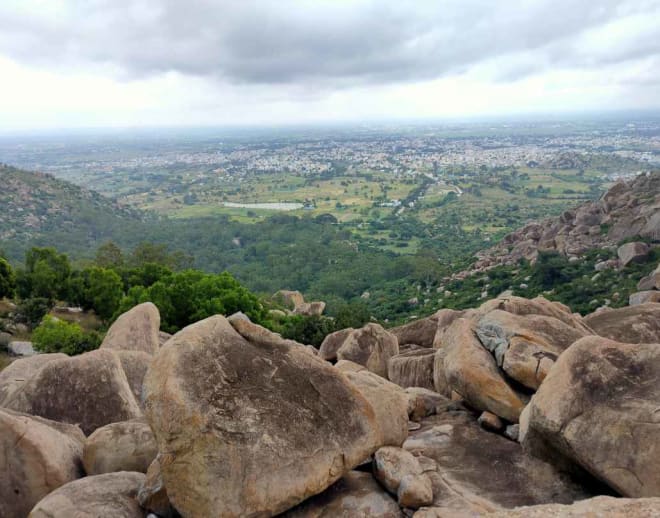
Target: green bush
{"type": "Point", "coordinates": [31, 311]}
{"type": "Point", "coordinates": [7, 279]}
{"type": "Point", "coordinates": [308, 330]}
{"type": "Point", "coordinates": [58, 336]}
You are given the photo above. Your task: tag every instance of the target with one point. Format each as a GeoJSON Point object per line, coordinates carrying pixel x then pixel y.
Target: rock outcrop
{"type": "Point", "coordinates": [37, 456]}
{"type": "Point", "coordinates": [627, 210]}
{"type": "Point", "coordinates": [412, 368]}
{"type": "Point", "coordinates": [332, 343]}
{"type": "Point", "coordinates": [18, 372]}
{"type": "Point", "coordinates": [598, 408]}
{"type": "Point", "coordinates": [247, 429]}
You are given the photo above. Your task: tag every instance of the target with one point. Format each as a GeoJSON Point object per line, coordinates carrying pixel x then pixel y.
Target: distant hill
{"type": "Point", "coordinates": [627, 210]}
{"type": "Point", "coordinates": [38, 209]}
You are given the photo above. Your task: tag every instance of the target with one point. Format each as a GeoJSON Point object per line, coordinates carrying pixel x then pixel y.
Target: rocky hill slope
{"type": "Point", "coordinates": [628, 210]}
{"type": "Point", "coordinates": [515, 408]}
{"type": "Point", "coordinates": [39, 208]}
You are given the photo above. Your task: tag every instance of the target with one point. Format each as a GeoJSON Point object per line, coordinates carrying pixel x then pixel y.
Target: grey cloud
{"type": "Point", "coordinates": [330, 44]}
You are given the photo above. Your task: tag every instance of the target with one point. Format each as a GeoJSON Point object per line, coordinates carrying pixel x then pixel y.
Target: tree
{"type": "Point", "coordinates": [104, 291]}
{"type": "Point", "coordinates": [7, 279]}
{"type": "Point", "coordinates": [109, 255]}
{"type": "Point", "coordinates": [46, 274]}
{"type": "Point", "coordinates": [59, 336]}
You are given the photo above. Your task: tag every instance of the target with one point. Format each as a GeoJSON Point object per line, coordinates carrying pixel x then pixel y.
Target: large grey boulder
{"type": "Point", "coordinates": [90, 390]}
{"type": "Point", "coordinates": [598, 409]}
{"type": "Point", "coordinates": [332, 343]}
{"type": "Point", "coordinates": [36, 457]}
{"type": "Point", "coordinates": [401, 474]}
{"type": "Point", "coordinates": [112, 494]}
{"type": "Point", "coordinates": [248, 429]}
{"type": "Point", "coordinates": [420, 332]}
{"type": "Point", "coordinates": [135, 330]}
{"type": "Point", "coordinates": [370, 346]}
{"type": "Point", "coordinates": [122, 446]}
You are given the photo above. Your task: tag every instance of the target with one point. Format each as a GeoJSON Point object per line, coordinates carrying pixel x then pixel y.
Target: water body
{"type": "Point", "coordinates": [264, 206]}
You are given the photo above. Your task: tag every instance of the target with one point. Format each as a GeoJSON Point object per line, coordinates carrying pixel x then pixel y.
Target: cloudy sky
{"type": "Point", "coordinates": [82, 63]}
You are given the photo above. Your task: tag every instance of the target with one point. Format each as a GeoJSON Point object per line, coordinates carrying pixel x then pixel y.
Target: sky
{"type": "Point", "coordinates": [126, 63]}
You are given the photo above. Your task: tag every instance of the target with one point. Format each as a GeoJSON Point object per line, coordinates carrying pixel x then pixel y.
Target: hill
{"type": "Point", "coordinates": [38, 209]}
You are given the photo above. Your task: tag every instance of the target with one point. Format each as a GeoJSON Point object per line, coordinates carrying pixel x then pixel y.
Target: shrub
{"type": "Point", "coordinates": [31, 311]}
{"type": "Point", "coordinates": [58, 336]}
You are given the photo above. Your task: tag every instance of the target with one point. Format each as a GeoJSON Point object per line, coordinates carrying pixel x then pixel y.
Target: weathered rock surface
{"type": "Point", "coordinates": [18, 372]}
{"type": "Point", "coordinates": [163, 337]}
{"type": "Point", "coordinates": [633, 324]}
{"type": "Point", "coordinates": [471, 371]}
{"type": "Point", "coordinates": [632, 252]}
{"type": "Point", "coordinates": [444, 319]}
{"type": "Point", "coordinates": [112, 494]}
{"type": "Point", "coordinates": [135, 330]}
{"type": "Point", "coordinates": [122, 446]}
{"type": "Point", "coordinates": [598, 408]}
{"type": "Point", "coordinates": [389, 403]}
{"type": "Point", "coordinates": [332, 343]}
{"type": "Point", "coordinates": [490, 422]}
{"type": "Point", "coordinates": [21, 348]}
{"type": "Point", "coordinates": [247, 429]}
{"type": "Point", "coordinates": [90, 390]}
{"type": "Point", "coordinates": [525, 346]}
{"type": "Point", "coordinates": [315, 308]}
{"type": "Point", "coordinates": [36, 457]}
{"type": "Point", "coordinates": [370, 346]}
{"type": "Point", "coordinates": [291, 299]}
{"type": "Point", "coordinates": [412, 368]}
{"type": "Point", "coordinates": [597, 507]}
{"type": "Point", "coordinates": [400, 473]}
{"type": "Point", "coordinates": [650, 282]}
{"type": "Point", "coordinates": [644, 297]}
{"type": "Point", "coordinates": [465, 480]}
{"type": "Point", "coordinates": [356, 494]}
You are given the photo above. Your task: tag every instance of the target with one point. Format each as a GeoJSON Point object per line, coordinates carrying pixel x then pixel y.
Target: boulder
{"type": "Point", "coordinates": [413, 368]}
{"type": "Point", "coordinates": [440, 383]}
{"type": "Point", "coordinates": [389, 403]}
{"type": "Point", "coordinates": [536, 306]}
{"type": "Point", "coordinates": [600, 506]}
{"type": "Point", "coordinates": [643, 297]}
{"type": "Point", "coordinates": [290, 299]}
{"type": "Point", "coordinates": [112, 494]}
{"type": "Point", "coordinates": [135, 365]}
{"type": "Point", "coordinates": [598, 408]}
{"type": "Point", "coordinates": [490, 422]}
{"type": "Point", "coordinates": [633, 252]}
{"type": "Point", "coordinates": [36, 457]}
{"type": "Point", "coordinates": [332, 343]}
{"type": "Point", "coordinates": [400, 473]}
{"type": "Point", "coordinates": [632, 324]}
{"type": "Point", "coordinates": [651, 281]}
{"type": "Point", "coordinates": [370, 346]}
{"type": "Point", "coordinates": [464, 480]}
{"type": "Point", "coordinates": [135, 330]}
{"type": "Point", "coordinates": [525, 346]}
{"type": "Point", "coordinates": [90, 390]}
{"type": "Point", "coordinates": [259, 335]}
{"type": "Point", "coordinates": [444, 319]}
{"type": "Point", "coordinates": [356, 494]}
{"type": "Point", "coordinates": [152, 495]}
{"type": "Point", "coordinates": [251, 428]}
{"type": "Point", "coordinates": [310, 309]}
{"type": "Point", "coordinates": [21, 348]}
{"type": "Point", "coordinates": [423, 402]}
{"type": "Point", "coordinates": [420, 332]}
{"type": "Point", "coordinates": [471, 371]}
{"type": "Point", "coordinates": [18, 372]}
{"type": "Point", "coordinates": [122, 446]}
